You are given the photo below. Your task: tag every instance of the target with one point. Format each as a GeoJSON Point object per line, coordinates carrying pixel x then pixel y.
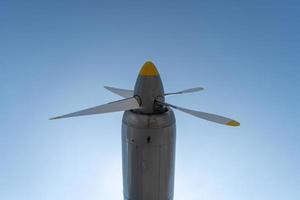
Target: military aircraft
{"type": "Point", "coordinates": [148, 134]}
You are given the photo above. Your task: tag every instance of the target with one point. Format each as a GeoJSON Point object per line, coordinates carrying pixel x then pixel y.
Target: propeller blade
{"type": "Point", "coordinates": [207, 116]}
{"type": "Point", "coordinates": [121, 105]}
{"type": "Point", "coordinates": [196, 89]}
{"type": "Point", "coordinates": [121, 92]}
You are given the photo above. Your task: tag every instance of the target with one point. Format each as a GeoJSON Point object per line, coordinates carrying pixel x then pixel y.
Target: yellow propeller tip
{"type": "Point", "coordinates": [149, 69]}
{"type": "Point", "coordinates": [233, 123]}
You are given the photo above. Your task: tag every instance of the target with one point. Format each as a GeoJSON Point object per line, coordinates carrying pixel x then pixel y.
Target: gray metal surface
{"type": "Point", "coordinates": [148, 88]}
{"type": "Point", "coordinates": [148, 155]}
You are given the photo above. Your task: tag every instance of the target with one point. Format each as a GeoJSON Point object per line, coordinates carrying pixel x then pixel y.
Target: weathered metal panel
{"type": "Point", "coordinates": [148, 150]}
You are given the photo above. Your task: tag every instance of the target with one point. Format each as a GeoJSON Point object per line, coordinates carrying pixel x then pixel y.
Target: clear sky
{"type": "Point", "coordinates": [55, 56]}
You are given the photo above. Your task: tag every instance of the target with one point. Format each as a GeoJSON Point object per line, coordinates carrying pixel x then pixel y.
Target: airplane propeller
{"type": "Point", "coordinates": [131, 103]}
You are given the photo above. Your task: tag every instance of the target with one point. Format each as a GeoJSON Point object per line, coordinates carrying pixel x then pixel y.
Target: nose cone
{"type": "Point", "coordinates": [148, 88]}
{"type": "Point", "coordinates": [148, 69]}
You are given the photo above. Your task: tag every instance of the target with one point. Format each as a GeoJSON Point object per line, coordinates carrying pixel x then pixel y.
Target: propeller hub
{"type": "Point", "coordinates": [148, 88]}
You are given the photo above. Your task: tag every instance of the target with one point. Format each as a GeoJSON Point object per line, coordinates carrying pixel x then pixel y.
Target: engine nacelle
{"type": "Point", "coordinates": [148, 152]}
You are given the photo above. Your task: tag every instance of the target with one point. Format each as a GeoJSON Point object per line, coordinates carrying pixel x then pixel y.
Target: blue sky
{"type": "Point", "coordinates": [55, 56]}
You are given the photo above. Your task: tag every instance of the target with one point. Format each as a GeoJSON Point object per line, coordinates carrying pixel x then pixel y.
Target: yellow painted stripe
{"type": "Point", "coordinates": [149, 69]}
{"type": "Point", "coordinates": [233, 123]}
